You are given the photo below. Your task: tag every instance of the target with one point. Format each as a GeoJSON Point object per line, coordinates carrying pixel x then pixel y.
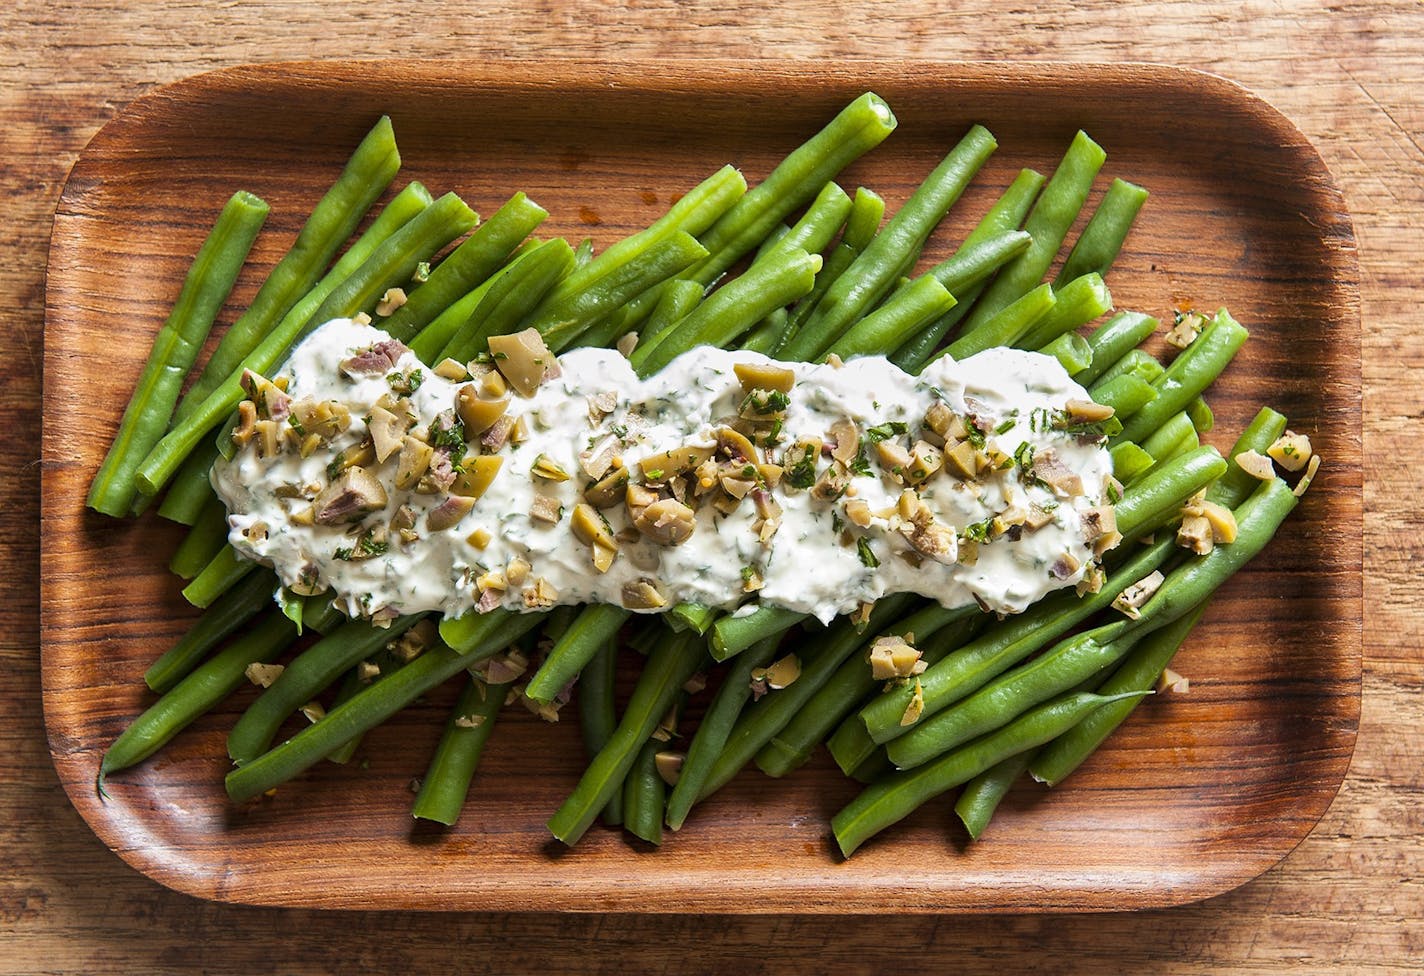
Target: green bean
{"type": "Point", "coordinates": [900, 317]}
{"type": "Point", "coordinates": [1005, 328]}
{"type": "Point", "coordinates": [757, 724]}
{"type": "Point", "coordinates": [206, 538]}
{"type": "Point", "coordinates": [1176, 436]}
{"type": "Point", "coordinates": [813, 234]}
{"type": "Point", "coordinates": [366, 710]}
{"type": "Point", "coordinates": [851, 746]}
{"type": "Point", "coordinates": [470, 630]}
{"type": "Point", "coordinates": [1142, 668]}
{"type": "Point", "coordinates": [598, 713]}
{"type": "Point", "coordinates": [1103, 236]}
{"type": "Point", "coordinates": [734, 633]}
{"type": "Point", "coordinates": [1004, 216]}
{"type": "Point", "coordinates": [350, 686]}
{"type": "Point", "coordinates": [595, 625]}
{"type": "Point", "coordinates": [481, 255]}
{"type": "Point", "coordinates": [1049, 220]}
{"type": "Point", "coordinates": [874, 271]}
{"type": "Point", "coordinates": [1232, 488]}
{"type": "Point", "coordinates": [769, 336]}
{"type": "Point", "coordinates": [1130, 462]}
{"type": "Point", "coordinates": [1138, 672]}
{"type": "Point", "coordinates": [1126, 394]}
{"type": "Point", "coordinates": [996, 703]}
{"type": "Point", "coordinates": [392, 261]}
{"type": "Point", "coordinates": [365, 177]}
{"type": "Point", "coordinates": [583, 253]}
{"type": "Point", "coordinates": [210, 278]}
{"type": "Point", "coordinates": [895, 797]}
{"type": "Point", "coordinates": [859, 127]}
{"type": "Point", "coordinates": [733, 308]}
{"type": "Point", "coordinates": [1200, 415]}
{"type": "Point", "coordinates": [201, 689]}
{"type": "Point", "coordinates": [669, 667]}
{"type": "Point", "coordinates": [645, 795]}
{"type": "Point", "coordinates": [507, 301]}
{"type": "Point", "coordinates": [867, 209]}
{"type": "Point", "coordinates": [1134, 363]}
{"type": "Point", "coordinates": [696, 617]}
{"type": "Point", "coordinates": [982, 794]}
{"type": "Point", "coordinates": [975, 261]}
{"type": "Point", "coordinates": [230, 611]}
{"type": "Point", "coordinates": [322, 614]}
{"type": "Point", "coordinates": [190, 490]}
{"type": "Point", "coordinates": [717, 723]}
{"type": "Point", "coordinates": [1072, 352]}
{"type": "Point", "coordinates": [1114, 339]}
{"type": "Point", "coordinates": [431, 341]}
{"type": "Point", "coordinates": [1257, 519]}
{"type": "Point", "coordinates": [447, 779]}
{"type": "Point", "coordinates": [1154, 499]}
{"type": "Point", "coordinates": [1001, 647]}
{"type": "Point", "coordinates": [303, 679]}
{"type": "Point", "coordinates": [1190, 373]}
{"type": "Point", "coordinates": [694, 213]}
{"type": "Point", "coordinates": [563, 320]}
{"type": "Point", "coordinates": [220, 574]}
{"type": "Point", "coordinates": [679, 297]}
{"type": "Point", "coordinates": [849, 686]}
{"type": "Point", "coordinates": [1079, 302]}
{"type": "Point", "coordinates": [817, 227]}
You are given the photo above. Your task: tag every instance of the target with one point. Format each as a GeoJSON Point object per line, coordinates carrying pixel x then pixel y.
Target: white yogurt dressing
{"type": "Point", "coordinates": [813, 563]}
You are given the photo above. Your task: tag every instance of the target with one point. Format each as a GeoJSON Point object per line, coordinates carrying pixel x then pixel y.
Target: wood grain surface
{"type": "Point", "coordinates": [1348, 899]}
{"type": "Point", "coordinates": [1195, 796]}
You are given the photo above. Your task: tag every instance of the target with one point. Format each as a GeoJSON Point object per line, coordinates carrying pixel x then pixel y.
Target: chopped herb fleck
{"type": "Point", "coordinates": [866, 554]}
{"type": "Point", "coordinates": [885, 431]}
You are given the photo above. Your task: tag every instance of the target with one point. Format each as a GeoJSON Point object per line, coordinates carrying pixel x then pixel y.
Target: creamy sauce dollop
{"type": "Point", "coordinates": [817, 561]}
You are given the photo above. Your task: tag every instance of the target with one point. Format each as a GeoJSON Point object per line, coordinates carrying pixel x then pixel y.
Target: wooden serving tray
{"type": "Point", "coordinates": [1196, 794]}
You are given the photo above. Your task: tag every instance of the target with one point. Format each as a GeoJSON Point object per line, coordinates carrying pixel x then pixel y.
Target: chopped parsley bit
{"type": "Point", "coordinates": [342, 552]}
{"type": "Point", "coordinates": [1023, 456]}
{"type": "Point", "coordinates": [973, 434]}
{"type": "Point", "coordinates": [978, 531]}
{"type": "Point", "coordinates": [860, 464]}
{"type": "Point", "coordinates": [802, 474]}
{"type": "Point", "coordinates": [747, 573]}
{"type": "Point", "coordinates": [422, 272]}
{"type": "Point", "coordinates": [749, 471]}
{"type": "Point", "coordinates": [837, 523]}
{"type": "Point", "coordinates": [866, 554]}
{"type": "Point", "coordinates": [334, 469]}
{"type": "Point", "coordinates": [620, 431]}
{"type": "Point", "coordinates": [406, 382]}
{"type": "Point", "coordinates": [501, 355]}
{"type": "Point", "coordinates": [451, 438]}
{"type": "Point", "coordinates": [1114, 495]}
{"type": "Point", "coordinates": [653, 474]}
{"type": "Point", "coordinates": [764, 402]}
{"type": "Point", "coordinates": [885, 431]}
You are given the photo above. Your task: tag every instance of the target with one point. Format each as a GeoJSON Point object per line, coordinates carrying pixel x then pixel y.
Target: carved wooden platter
{"type": "Point", "coordinates": [1196, 794]}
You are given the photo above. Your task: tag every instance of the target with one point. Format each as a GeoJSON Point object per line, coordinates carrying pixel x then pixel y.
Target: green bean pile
{"type": "Point", "coordinates": [794, 267]}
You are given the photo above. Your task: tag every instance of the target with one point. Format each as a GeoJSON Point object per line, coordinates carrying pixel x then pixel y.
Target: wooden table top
{"type": "Point", "coordinates": [1349, 898]}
